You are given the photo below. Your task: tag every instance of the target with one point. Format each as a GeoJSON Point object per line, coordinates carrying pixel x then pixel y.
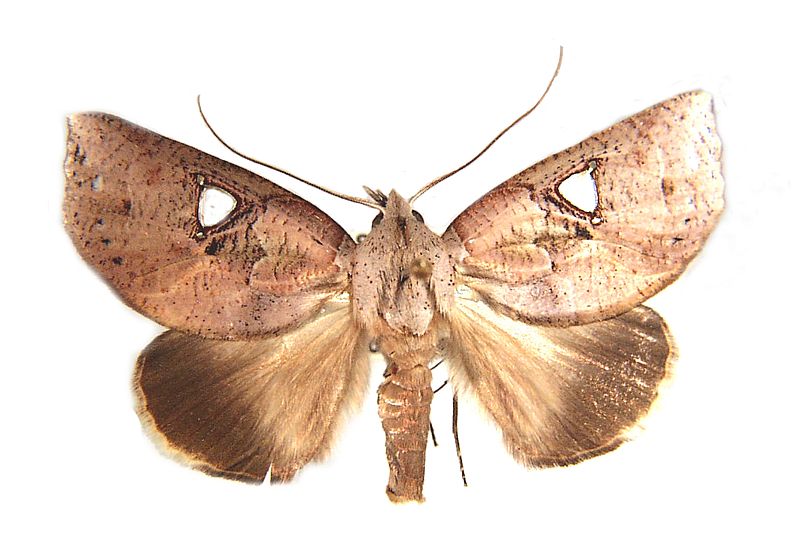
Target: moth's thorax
{"type": "Point", "coordinates": [402, 274]}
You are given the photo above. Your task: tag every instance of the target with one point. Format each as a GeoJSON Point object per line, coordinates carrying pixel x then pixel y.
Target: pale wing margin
{"type": "Point", "coordinates": [240, 408]}
{"type": "Point", "coordinates": [559, 395]}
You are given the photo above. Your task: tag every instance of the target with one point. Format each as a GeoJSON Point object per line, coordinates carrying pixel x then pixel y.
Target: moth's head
{"type": "Point", "coordinates": [394, 208]}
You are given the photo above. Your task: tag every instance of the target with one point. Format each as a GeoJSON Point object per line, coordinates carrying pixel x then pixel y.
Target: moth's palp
{"type": "Point", "coordinates": [381, 198]}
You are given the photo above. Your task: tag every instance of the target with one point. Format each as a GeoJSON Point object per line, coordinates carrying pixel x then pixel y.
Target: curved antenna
{"type": "Point", "coordinates": [493, 141]}
{"type": "Point", "coordinates": [354, 199]}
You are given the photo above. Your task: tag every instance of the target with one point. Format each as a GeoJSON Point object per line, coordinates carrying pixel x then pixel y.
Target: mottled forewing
{"type": "Point", "coordinates": [240, 408]}
{"type": "Point", "coordinates": [534, 255]}
{"type": "Point", "coordinates": [132, 209]}
{"type": "Point", "coordinates": [559, 394]}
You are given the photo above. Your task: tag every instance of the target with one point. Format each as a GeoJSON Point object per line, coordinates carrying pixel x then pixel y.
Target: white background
{"type": "Point", "coordinates": [347, 95]}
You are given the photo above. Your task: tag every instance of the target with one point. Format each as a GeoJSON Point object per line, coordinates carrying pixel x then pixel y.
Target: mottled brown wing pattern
{"type": "Point", "coordinates": [533, 255]}
{"type": "Point", "coordinates": [240, 408]}
{"type": "Point", "coordinates": [545, 328]}
{"type": "Point", "coordinates": [131, 208]}
{"type": "Point", "coordinates": [559, 395]}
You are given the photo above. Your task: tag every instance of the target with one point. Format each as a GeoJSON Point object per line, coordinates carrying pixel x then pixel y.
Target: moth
{"type": "Point", "coordinates": [534, 301]}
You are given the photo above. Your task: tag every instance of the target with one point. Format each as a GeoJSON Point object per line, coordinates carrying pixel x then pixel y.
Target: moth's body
{"type": "Point", "coordinates": [534, 302]}
{"type": "Point", "coordinates": [403, 285]}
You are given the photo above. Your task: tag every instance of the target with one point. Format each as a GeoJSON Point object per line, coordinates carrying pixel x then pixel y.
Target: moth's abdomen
{"type": "Point", "coordinates": [404, 405]}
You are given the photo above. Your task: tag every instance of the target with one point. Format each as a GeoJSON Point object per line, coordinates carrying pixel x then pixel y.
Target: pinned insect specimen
{"type": "Point", "coordinates": [533, 300]}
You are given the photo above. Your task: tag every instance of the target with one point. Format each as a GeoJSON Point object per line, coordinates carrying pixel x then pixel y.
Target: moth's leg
{"type": "Point", "coordinates": [455, 427]}
{"type": "Point", "coordinates": [455, 433]}
{"type": "Point", "coordinates": [436, 390]}
{"type": "Point", "coordinates": [433, 435]}
{"type": "Point", "coordinates": [455, 437]}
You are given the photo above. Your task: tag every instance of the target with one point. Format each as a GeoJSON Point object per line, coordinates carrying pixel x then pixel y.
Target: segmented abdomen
{"type": "Point", "coordinates": [404, 405]}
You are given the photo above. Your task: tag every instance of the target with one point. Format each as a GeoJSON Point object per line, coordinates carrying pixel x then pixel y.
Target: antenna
{"type": "Point", "coordinates": [493, 141]}
{"type": "Point", "coordinates": [354, 199]}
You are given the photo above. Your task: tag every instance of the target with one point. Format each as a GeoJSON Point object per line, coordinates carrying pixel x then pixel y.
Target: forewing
{"type": "Point", "coordinates": [534, 255]}
{"type": "Point", "coordinates": [560, 395]}
{"type": "Point", "coordinates": [132, 209]}
{"type": "Point", "coordinates": [239, 408]}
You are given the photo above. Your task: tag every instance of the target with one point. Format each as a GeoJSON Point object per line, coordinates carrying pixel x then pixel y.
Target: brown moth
{"type": "Point", "coordinates": [534, 301]}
